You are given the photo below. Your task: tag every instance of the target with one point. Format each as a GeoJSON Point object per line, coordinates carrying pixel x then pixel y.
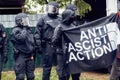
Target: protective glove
{"type": "Point", "coordinates": [59, 51]}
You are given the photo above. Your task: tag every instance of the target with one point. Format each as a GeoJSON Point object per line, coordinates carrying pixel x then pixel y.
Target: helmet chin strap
{"type": "Point", "coordinates": [52, 15]}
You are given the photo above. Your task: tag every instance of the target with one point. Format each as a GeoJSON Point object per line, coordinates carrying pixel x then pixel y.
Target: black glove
{"type": "Point", "coordinates": [5, 59]}
{"type": "Point", "coordinates": [59, 51]}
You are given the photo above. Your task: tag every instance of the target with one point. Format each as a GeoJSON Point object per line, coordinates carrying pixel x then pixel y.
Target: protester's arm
{"type": "Point", "coordinates": [56, 35]}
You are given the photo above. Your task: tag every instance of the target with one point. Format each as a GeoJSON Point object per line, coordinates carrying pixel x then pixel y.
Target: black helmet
{"type": "Point", "coordinates": [52, 7]}
{"type": "Point", "coordinates": [55, 4]}
{"type": "Point", "coordinates": [71, 7]}
{"type": "Point", "coordinates": [67, 15]}
{"type": "Point", "coordinates": [21, 19]}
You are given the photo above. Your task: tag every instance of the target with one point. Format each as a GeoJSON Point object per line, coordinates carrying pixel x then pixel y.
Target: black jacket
{"type": "Point", "coordinates": [57, 37]}
{"type": "Point", "coordinates": [3, 40]}
{"type": "Point", "coordinates": [22, 39]}
{"type": "Point", "coordinates": [78, 21]}
{"type": "Point", "coordinates": [45, 29]}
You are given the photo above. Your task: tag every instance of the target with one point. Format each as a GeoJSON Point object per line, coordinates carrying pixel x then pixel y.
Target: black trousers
{"type": "Point", "coordinates": [49, 54]}
{"type": "Point", "coordinates": [62, 69]}
{"type": "Point", "coordinates": [76, 76]}
{"type": "Point", "coordinates": [24, 66]}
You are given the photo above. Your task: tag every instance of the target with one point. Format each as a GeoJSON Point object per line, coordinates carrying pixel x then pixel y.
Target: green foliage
{"type": "Point", "coordinates": [10, 75]}
{"type": "Point", "coordinates": [83, 7]}
{"type": "Point", "coordinates": [31, 4]}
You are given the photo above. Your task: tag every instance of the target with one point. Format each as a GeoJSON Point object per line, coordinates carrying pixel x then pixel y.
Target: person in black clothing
{"type": "Point", "coordinates": [66, 22]}
{"type": "Point", "coordinates": [3, 47]}
{"type": "Point", "coordinates": [43, 35]}
{"type": "Point", "coordinates": [115, 69]}
{"type": "Point", "coordinates": [24, 46]}
{"type": "Point", "coordinates": [77, 20]}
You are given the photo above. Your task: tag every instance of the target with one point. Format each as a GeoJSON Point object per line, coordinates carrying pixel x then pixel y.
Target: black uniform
{"type": "Point", "coordinates": [43, 35]}
{"type": "Point", "coordinates": [23, 42]}
{"type": "Point", "coordinates": [76, 21]}
{"type": "Point", "coordinates": [3, 47]}
{"type": "Point", "coordinates": [67, 19]}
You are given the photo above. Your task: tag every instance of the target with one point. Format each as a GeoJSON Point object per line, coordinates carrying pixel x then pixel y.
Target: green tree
{"type": "Point", "coordinates": [83, 7]}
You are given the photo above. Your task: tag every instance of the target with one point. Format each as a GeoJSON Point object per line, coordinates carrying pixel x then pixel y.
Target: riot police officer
{"type": "Point", "coordinates": [43, 34]}
{"type": "Point", "coordinates": [66, 22]}
{"type": "Point", "coordinates": [3, 47]}
{"type": "Point", "coordinates": [23, 42]}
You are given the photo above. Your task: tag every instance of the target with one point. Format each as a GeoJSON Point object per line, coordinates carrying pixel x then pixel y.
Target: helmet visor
{"type": "Point", "coordinates": [25, 21]}
{"type": "Point", "coordinates": [76, 12]}
{"type": "Point", "coordinates": [52, 9]}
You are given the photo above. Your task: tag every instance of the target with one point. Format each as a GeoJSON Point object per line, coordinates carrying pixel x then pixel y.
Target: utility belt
{"type": "Point", "coordinates": [17, 52]}
{"type": "Point", "coordinates": [59, 51]}
{"type": "Point", "coordinates": [45, 40]}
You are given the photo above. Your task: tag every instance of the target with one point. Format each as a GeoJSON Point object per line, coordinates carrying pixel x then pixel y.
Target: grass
{"type": "Point", "coordinates": [9, 75]}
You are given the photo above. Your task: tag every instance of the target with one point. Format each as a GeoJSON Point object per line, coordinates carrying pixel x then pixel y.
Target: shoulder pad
{"type": "Point", "coordinates": [16, 29]}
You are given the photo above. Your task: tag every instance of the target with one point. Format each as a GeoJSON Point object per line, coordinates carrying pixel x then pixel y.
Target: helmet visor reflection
{"type": "Point", "coordinates": [52, 9]}
{"type": "Point", "coordinates": [25, 21]}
